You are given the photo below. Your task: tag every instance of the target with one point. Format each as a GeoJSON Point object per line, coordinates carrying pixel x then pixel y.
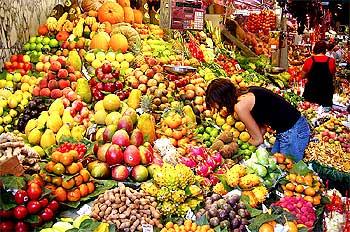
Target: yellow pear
{"type": "Point", "coordinates": [63, 131]}
{"type": "Point", "coordinates": [58, 106]}
{"type": "Point", "coordinates": [42, 119]}
{"type": "Point", "coordinates": [67, 118]}
{"type": "Point", "coordinates": [34, 136]}
{"type": "Point", "coordinates": [47, 139]}
{"type": "Point", "coordinates": [100, 117]}
{"type": "Point", "coordinates": [39, 150]}
{"type": "Point", "coordinates": [113, 118]}
{"type": "Point", "coordinates": [99, 106]}
{"type": "Point", "coordinates": [78, 132]}
{"type": "Point", "coordinates": [99, 134]}
{"type": "Point", "coordinates": [54, 122]}
{"type": "Point", "coordinates": [32, 123]}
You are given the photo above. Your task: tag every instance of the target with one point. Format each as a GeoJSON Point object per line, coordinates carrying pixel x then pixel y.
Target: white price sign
{"type": "Point", "coordinates": [190, 215]}
{"type": "Point", "coordinates": [147, 228]}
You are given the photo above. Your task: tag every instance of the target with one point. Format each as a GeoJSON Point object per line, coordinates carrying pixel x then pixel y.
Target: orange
{"type": "Point", "coordinates": [169, 225]}
{"type": "Point", "coordinates": [57, 180]}
{"type": "Point", "coordinates": [55, 156]}
{"type": "Point", "coordinates": [308, 180]}
{"type": "Point", "coordinates": [292, 177]}
{"type": "Point", "coordinates": [73, 169]}
{"type": "Point", "coordinates": [86, 175]}
{"type": "Point", "coordinates": [309, 199]}
{"type": "Point", "coordinates": [78, 180]}
{"type": "Point", "coordinates": [300, 179]}
{"type": "Point", "coordinates": [84, 190]}
{"type": "Point", "coordinates": [49, 166]}
{"type": "Point", "coordinates": [299, 188]}
{"type": "Point", "coordinates": [61, 194]}
{"type": "Point", "coordinates": [91, 186]}
{"type": "Point", "coordinates": [266, 228]}
{"type": "Point", "coordinates": [288, 193]}
{"type": "Point", "coordinates": [58, 169]}
{"type": "Point", "coordinates": [290, 186]}
{"type": "Point", "coordinates": [68, 184]}
{"type": "Point", "coordinates": [317, 201]}
{"type": "Point", "coordinates": [310, 191]}
{"type": "Point", "coordinates": [66, 159]}
{"type": "Point", "coordinates": [74, 195]}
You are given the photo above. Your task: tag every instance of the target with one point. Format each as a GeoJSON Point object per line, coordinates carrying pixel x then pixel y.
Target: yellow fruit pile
{"type": "Point", "coordinates": [188, 226]}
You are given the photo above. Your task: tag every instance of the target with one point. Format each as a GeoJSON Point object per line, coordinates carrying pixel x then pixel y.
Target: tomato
{"type": "Point", "coordinates": [47, 215]}
{"type": "Point", "coordinates": [44, 202]}
{"type": "Point", "coordinates": [8, 65]}
{"type": "Point", "coordinates": [27, 66]}
{"type": "Point", "coordinates": [20, 212]}
{"type": "Point", "coordinates": [7, 226]}
{"type": "Point", "coordinates": [33, 207]}
{"type": "Point", "coordinates": [53, 205]}
{"type": "Point", "coordinates": [21, 197]}
{"type": "Point", "coordinates": [20, 58]}
{"type": "Point", "coordinates": [34, 191]}
{"type": "Point", "coordinates": [14, 58]}
{"type": "Point", "coordinates": [22, 227]}
{"type": "Point", "coordinates": [6, 213]}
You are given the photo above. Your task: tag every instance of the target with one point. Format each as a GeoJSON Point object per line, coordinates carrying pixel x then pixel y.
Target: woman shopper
{"type": "Point", "coordinates": [258, 108]}
{"type": "Point", "coordinates": [319, 71]}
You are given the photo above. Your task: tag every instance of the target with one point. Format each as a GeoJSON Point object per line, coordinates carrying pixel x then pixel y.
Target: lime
{"type": "Point", "coordinates": [207, 143]}
{"type": "Point", "coordinates": [208, 129]}
{"type": "Point", "coordinates": [206, 136]}
{"type": "Point", "coordinates": [247, 152]}
{"type": "Point", "coordinates": [214, 133]}
{"type": "Point", "coordinates": [212, 139]}
{"type": "Point", "coordinates": [201, 129]}
{"type": "Point", "coordinates": [252, 148]}
{"type": "Point", "coordinates": [239, 142]}
{"type": "Point", "coordinates": [244, 146]}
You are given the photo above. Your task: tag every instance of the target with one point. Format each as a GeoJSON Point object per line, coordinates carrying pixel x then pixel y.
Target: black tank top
{"type": "Point", "coordinates": [273, 110]}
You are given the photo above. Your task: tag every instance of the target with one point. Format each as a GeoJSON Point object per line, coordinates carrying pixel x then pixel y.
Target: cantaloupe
{"type": "Point", "coordinates": [100, 41]}
{"type": "Point", "coordinates": [119, 42]}
{"type": "Point", "coordinates": [138, 16]}
{"type": "Point", "coordinates": [128, 15]}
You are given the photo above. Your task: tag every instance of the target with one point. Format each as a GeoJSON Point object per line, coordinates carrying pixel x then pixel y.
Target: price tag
{"type": "Point", "coordinates": [85, 73]}
{"type": "Point", "coordinates": [264, 208]}
{"type": "Point", "coordinates": [85, 209]}
{"type": "Point", "coordinates": [147, 228]}
{"type": "Point", "coordinates": [273, 46]}
{"type": "Point", "coordinates": [278, 193]}
{"type": "Point", "coordinates": [190, 215]}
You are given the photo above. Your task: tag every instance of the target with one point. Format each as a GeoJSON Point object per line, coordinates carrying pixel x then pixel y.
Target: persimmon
{"type": "Point", "coordinates": [50, 187]}
{"type": "Point", "coordinates": [84, 190]}
{"type": "Point", "coordinates": [91, 186]}
{"type": "Point", "coordinates": [288, 193]}
{"type": "Point", "coordinates": [309, 191]}
{"type": "Point", "coordinates": [300, 180]}
{"type": "Point", "coordinates": [57, 180]}
{"type": "Point", "coordinates": [56, 156]}
{"type": "Point", "coordinates": [49, 166]}
{"type": "Point", "coordinates": [78, 180]}
{"type": "Point", "coordinates": [73, 169]}
{"type": "Point", "coordinates": [74, 195]}
{"type": "Point", "coordinates": [86, 175]}
{"type": "Point", "coordinates": [67, 159]}
{"type": "Point", "coordinates": [309, 199]}
{"type": "Point", "coordinates": [60, 194]}
{"type": "Point", "coordinates": [290, 186]}
{"type": "Point", "coordinates": [299, 188]}
{"type": "Point", "coordinates": [68, 184]}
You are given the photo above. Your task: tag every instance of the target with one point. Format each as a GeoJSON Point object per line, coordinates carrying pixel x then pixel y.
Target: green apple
{"type": "Point", "coordinates": [101, 56]}
{"type": "Point", "coordinates": [39, 39]}
{"type": "Point", "coordinates": [46, 40]}
{"type": "Point", "coordinates": [32, 46]}
{"type": "Point", "coordinates": [53, 43]}
{"type": "Point", "coordinates": [89, 57]}
{"type": "Point", "coordinates": [26, 47]}
{"type": "Point", "coordinates": [9, 76]}
{"type": "Point", "coordinates": [110, 56]}
{"type": "Point", "coordinates": [39, 47]}
{"type": "Point", "coordinates": [17, 77]}
{"type": "Point", "coordinates": [26, 58]}
{"type": "Point", "coordinates": [32, 39]}
{"type": "Point", "coordinates": [46, 48]}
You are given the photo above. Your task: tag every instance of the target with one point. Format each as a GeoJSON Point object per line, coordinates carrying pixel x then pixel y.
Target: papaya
{"type": "Point", "coordinates": [146, 124]}
{"type": "Point", "coordinates": [134, 99]}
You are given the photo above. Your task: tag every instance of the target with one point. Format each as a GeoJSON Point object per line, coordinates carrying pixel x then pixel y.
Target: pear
{"type": "Point", "coordinates": [78, 132]}
{"type": "Point", "coordinates": [32, 123]}
{"type": "Point", "coordinates": [58, 106]}
{"type": "Point", "coordinates": [99, 134]}
{"type": "Point", "coordinates": [34, 136]}
{"type": "Point", "coordinates": [54, 122]}
{"type": "Point", "coordinates": [67, 118]}
{"type": "Point", "coordinates": [63, 131]}
{"type": "Point", "coordinates": [42, 119]}
{"type": "Point", "coordinates": [47, 139]}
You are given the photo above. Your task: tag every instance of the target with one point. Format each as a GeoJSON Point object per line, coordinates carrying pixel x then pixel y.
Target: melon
{"type": "Point", "coordinates": [119, 42]}
{"type": "Point", "coordinates": [100, 41]}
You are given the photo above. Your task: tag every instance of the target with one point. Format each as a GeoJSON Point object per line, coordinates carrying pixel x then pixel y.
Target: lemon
{"type": "Point", "coordinates": [220, 120]}
{"type": "Point", "coordinates": [99, 106]}
{"type": "Point", "coordinates": [240, 126]}
{"type": "Point", "coordinates": [111, 102]}
{"type": "Point", "coordinates": [230, 120]}
{"type": "Point", "coordinates": [244, 136]}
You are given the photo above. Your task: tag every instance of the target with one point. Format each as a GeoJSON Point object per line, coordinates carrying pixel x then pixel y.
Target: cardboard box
{"type": "Point", "coordinates": [11, 166]}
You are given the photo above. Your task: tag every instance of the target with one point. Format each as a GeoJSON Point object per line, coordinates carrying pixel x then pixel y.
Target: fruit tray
{"type": "Point", "coordinates": [179, 69]}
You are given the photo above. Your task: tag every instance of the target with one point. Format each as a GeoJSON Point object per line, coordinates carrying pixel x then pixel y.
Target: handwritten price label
{"type": "Point", "coordinates": [147, 228]}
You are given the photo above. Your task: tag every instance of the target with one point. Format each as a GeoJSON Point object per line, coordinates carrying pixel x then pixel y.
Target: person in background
{"type": "Point", "coordinates": [330, 52]}
{"type": "Point", "coordinates": [153, 7]}
{"type": "Point", "coordinates": [319, 71]}
{"type": "Point", "coordinates": [258, 108]}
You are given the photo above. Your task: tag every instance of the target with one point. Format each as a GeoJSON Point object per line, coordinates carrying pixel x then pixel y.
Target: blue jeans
{"type": "Point", "coordinates": [293, 141]}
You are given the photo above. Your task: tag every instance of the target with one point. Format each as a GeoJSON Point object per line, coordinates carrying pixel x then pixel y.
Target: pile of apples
{"type": "Point", "coordinates": [59, 76]}
{"type": "Point", "coordinates": [30, 203]}
{"type": "Point", "coordinates": [230, 65]}
{"type": "Point", "coordinates": [19, 63]}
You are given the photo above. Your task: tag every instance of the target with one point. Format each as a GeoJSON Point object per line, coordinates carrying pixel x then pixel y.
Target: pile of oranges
{"type": "Point", "coordinates": [309, 187]}
{"type": "Point", "coordinates": [188, 226]}
{"type": "Point", "coordinates": [283, 162]}
{"type": "Point", "coordinates": [66, 177]}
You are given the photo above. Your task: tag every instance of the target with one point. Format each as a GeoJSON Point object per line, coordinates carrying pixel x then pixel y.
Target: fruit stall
{"type": "Point", "coordinates": [104, 127]}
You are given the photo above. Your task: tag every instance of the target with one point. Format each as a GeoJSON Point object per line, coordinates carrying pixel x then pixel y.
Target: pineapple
{"type": "Point", "coordinates": [146, 103]}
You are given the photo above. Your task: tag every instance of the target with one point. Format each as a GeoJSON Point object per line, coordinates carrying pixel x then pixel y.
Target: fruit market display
{"type": "Point", "coordinates": [98, 119]}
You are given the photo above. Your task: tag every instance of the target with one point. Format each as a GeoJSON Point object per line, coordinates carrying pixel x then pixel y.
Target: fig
{"type": "Point", "coordinates": [232, 214]}
{"type": "Point", "coordinates": [215, 197]}
{"type": "Point", "coordinates": [233, 199]}
{"type": "Point", "coordinates": [241, 212]}
{"type": "Point", "coordinates": [214, 221]}
{"type": "Point", "coordinates": [235, 223]}
{"type": "Point", "coordinates": [213, 212]}
{"type": "Point", "coordinates": [227, 208]}
{"type": "Point", "coordinates": [222, 214]}
{"type": "Point", "coordinates": [224, 224]}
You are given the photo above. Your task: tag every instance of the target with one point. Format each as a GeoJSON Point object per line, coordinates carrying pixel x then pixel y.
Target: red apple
{"type": "Point", "coordinates": [121, 138]}
{"type": "Point", "coordinates": [108, 133]}
{"type": "Point", "coordinates": [106, 68]}
{"type": "Point", "coordinates": [114, 155]}
{"type": "Point", "coordinates": [136, 138]}
{"type": "Point", "coordinates": [132, 156]}
{"type": "Point", "coordinates": [120, 173]}
{"type": "Point", "coordinates": [62, 73]}
{"type": "Point", "coordinates": [125, 123]}
{"type": "Point", "coordinates": [55, 65]}
{"type": "Point", "coordinates": [102, 150]}
{"type": "Point", "coordinates": [139, 173]}
{"type": "Point", "coordinates": [146, 155]}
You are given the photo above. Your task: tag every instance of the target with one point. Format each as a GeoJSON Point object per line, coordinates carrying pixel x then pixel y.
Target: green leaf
{"type": "Point", "coordinates": [300, 168]}
{"type": "Point", "coordinates": [74, 204]}
{"type": "Point", "coordinates": [89, 225]}
{"type": "Point", "coordinates": [112, 228]}
{"type": "Point", "coordinates": [73, 230]}
{"type": "Point", "coordinates": [13, 182]}
{"type": "Point", "coordinates": [203, 220]}
{"type": "Point", "coordinates": [32, 219]}
{"type": "Point", "coordinates": [6, 200]}
{"type": "Point", "coordinates": [217, 229]}
{"type": "Point", "coordinates": [302, 229]}
{"type": "Point", "coordinates": [3, 75]}
{"type": "Point", "coordinates": [261, 219]}
{"type": "Point", "coordinates": [252, 211]}
{"type": "Point", "coordinates": [222, 178]}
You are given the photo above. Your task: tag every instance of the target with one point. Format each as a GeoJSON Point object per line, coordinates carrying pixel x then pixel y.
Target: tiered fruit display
{"type": "Point", "coordinates": [225, 212]}
{"type": "Point", "coordinates": [169, 189]}
{"type": "Point", "coordinates": [308, 187]}
{"type": "Point", "coordinates": [20, 63]}
{"type": "Point", "coordinates": [187, 226]}
{"type": "Point", "coordinates": [127, 209]}
{"type": "Point", "coordinates": [66, 175]}
{"type": "Point", "coordinates": [31, 208]}
{"type": "Point", "coordinates": [205, 163]}
{"type": "Point", "coordinates": [300, 208]}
